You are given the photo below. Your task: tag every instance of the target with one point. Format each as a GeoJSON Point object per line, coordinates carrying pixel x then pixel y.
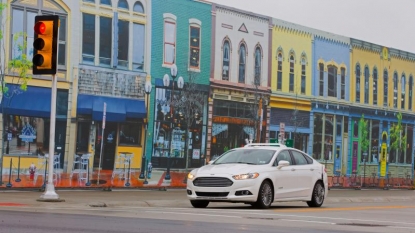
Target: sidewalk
{"type": "Point", "coordinates": [173, 198]}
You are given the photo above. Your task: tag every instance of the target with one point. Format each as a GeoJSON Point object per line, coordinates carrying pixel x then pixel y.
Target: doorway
{"type": "Point", "coordinates": [109, 146]}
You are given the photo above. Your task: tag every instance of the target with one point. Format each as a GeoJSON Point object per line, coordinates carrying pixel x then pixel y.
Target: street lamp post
{"type": "Point", "coordinates": [147, 89]}
{"type": "Point", "coordinates": [166, 83]}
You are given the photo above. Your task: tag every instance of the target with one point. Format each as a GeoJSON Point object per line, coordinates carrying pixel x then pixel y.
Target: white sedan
{"type": "Point", "coordinates": [259, 174]}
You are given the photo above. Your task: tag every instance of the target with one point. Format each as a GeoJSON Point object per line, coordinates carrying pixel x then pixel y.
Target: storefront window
{"type": "Point", "coordinates": [130, 134]}
{"type": "Point", "coordinates": [82, 137]}
{"type": "Point", "coordinates": [402, 151]}
{"type": "Point", "coordinates": [318, 135]}
{"type": "Point", "coordinates": [25, 135]}
{"type": "Point", "coordinates": [328, 137]}
{"type": "Point", "coordinates": [409, 147]}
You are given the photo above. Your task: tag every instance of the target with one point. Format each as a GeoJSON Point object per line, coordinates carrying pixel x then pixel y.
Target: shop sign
{"type": "Point", "coordinates": [196, 154]}
{"type": "Point", "coordinates": [28, 133]}
{"type": "Point", "coordinates": [9, 136]}
{"type": "Point", "coordinates": [233, 120]}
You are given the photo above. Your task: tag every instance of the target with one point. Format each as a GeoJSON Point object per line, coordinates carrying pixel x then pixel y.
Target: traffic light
{"type": "Point", "coordinates": [45, 44]}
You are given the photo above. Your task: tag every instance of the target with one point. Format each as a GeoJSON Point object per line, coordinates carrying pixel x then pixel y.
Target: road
{"type": "Point", "coordinates": [363, 216]}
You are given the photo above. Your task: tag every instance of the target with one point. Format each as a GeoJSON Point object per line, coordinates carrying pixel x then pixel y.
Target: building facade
{"type": "Point", "coordinates": [181, 39]}
{"type": "Point", "coordinates": [291, 82]}
{"type": "Point", "coordinates": [238, 107]}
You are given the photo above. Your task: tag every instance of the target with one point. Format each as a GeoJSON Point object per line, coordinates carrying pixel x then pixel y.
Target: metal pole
{"type": "Point", "coordinates": [143, 159]}
{"type": "Point", "coordinates": [167, 177]}
{"type": "Point", "coordinates": [364, 172]}
{"type": "Point", "coordinates": [9, 185]}
{"type": "Point", "coordinates": [102, 140]}
{"type": "Point", "coordinates": [128, 174]}
{"type": "Point", "coordinates": [50, 188]}
{"type": "Point", "coordinates": [88, 182]}
{"type": "Point", "coordinates": [18, 171]}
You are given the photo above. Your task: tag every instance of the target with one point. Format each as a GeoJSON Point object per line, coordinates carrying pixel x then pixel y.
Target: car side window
{"type": "Point", "coordinates": [299, 158]}
{"type": "Point", "coordinates": [283, 155]}
{"type": "Point", "coordinates": [309, 160]}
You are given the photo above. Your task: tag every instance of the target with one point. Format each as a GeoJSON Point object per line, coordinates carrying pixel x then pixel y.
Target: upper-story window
{"type": "Point", "coordinates": [403, 87]}
{"type": "Point", "coordinates": [242, 63]}
{"type": "Point", "coordinates": [303, 75]}
{"type": "Point", "coordinates": [138, 7]}
{"type": "Point", "coordinates": [258, 61]}
{"type": "Point", "coordinates": [366, 84]}
{"type": "Point", "coordinates": [123, 4]}
{"type": "Point", "coordinates": [279, 72]}
{"type": "Point", "coordinates": [291, 87]}
{"type": "Point", "coordinates": [115, 47]}
{"type": "Point", "coordinates": [395, 90]}
{"type": "Point", "coordinates": [375, 86]}
{"type": "Point", "coordinates": [343, 83]}
{"type": "Point", "coordinates": [194, 43]}
{"type": "Point", "coordinates": [169, 40]}
{"type": "Point", "coordinates": [22, 24]}
{"type": "Point", "coordinates": [332, 81]}
{"type": "Point", "coordinates": [411, 86]}
{"type": "Point", "coordinates": [106, 2]}
{"type": "Point", "coordinates": [357, 83]}
{"type": "Point", "coordinates": [321, 79]}
{"type": "Point", "coordinates": [226, 59]}
{"type": "Point", "coordinates": [385, 87]}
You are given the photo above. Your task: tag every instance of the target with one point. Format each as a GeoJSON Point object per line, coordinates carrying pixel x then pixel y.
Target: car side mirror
{"type": "Point", "coordinates": [211, 161]}
{"type": "Point", "coordinates": [283, 163]}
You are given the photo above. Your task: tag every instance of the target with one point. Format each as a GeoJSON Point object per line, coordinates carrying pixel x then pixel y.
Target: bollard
{"type": "Point", "coordinates": [149, 170]}
{"type": "Point", "coordinates": [9, 185]}
{"type": "Point", "coordinates": [128, 174]}
{"type": "Point", "coordinates": [88, 183]}
{"type": "Point", "coordinates": [18, 171]}
{"type": "Point", "coordinates": [146, 174]}
{"type": "Point", "coordinates": [143, 162]}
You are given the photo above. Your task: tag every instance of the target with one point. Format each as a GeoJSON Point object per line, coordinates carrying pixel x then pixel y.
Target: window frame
{"type": "Point", "coordinates": [279, 71]}
{"type": "Point", "coordinates": [375, 86]}
{"type": "Point", "coordinates": [395, 89]}
{"type": "Point", "coordinates": [358, 83]}
{"type": "Point", "coordinates": [168, 21]}
{"type": "Point", "coordinates": [242, 45]}
{"type": "Point", "coordinates": [332, 70]}
{"type": "Point", "coordinates": [291, 75]}
{"type": "Point", "coordinates": [195, 26]}
{"type": "Point", "coordinates": [385, 87]}
{"type": "Point", "coordinates": [410, 96]}
{"type": "Point", "coordinates": [303, 75]}
{"type": "Point", "coordinates": [403, 90]}
{"type": "Point", "coordinates": [366, 88]}
{"type": "Point", "coordinates": [321, 79]}
{"type": "Point", "coordinates": [227, 42]}
{"type": "Point", "coordinates": [257, 67]}
{"type": "Point", "coordinates": [137, 129]}
{"type": "Point", "coordinates": [342, 83]}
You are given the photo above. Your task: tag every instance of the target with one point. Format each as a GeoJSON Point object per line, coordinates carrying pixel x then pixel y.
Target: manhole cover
{"type": "Point", "coordinates": [361, 224]}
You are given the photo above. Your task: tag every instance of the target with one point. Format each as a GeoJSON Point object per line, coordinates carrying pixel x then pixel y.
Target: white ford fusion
{"type": "Point", "coordinates": [259, 174]}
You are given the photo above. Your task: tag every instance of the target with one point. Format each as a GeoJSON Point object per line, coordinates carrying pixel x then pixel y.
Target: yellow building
{"type": "Point", "coordinates": [291, 77]}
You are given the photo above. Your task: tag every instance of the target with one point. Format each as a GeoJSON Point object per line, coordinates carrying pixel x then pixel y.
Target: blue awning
{"type": "Point", "coordinates": [34, 102]}
{"type": "Point", "coordinates": [118, 109]}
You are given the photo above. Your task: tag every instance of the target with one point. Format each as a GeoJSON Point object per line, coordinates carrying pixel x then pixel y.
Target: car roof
{"type": "Point", "coordinates": [273, 146]}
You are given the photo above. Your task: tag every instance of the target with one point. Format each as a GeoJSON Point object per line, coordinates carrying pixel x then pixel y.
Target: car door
{"type": "Point", "coordinates": [303, 174]}
{"type": "Point", "coordinates": [283, 176]}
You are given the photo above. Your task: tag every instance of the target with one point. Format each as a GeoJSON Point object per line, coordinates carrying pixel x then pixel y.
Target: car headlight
{"type": "Point", "coordinates": [190, 176]}
{"type": "Point", "coordinates": [246, 176]}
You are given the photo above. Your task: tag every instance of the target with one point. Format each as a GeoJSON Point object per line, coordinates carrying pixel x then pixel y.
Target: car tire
{"type": "Point", "coordinates": [199, 204]}
{"type": "Point", "coordinates": [317, 196]}
{"type": "Point", "coordinates": [265, 196]}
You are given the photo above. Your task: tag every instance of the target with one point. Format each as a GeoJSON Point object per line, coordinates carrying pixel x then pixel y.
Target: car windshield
{"type": "Point", "coordinates": [247, 156]}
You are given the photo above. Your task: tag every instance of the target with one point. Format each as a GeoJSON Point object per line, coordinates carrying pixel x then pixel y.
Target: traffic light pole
{"type": "Point", "coordinates": [50, 193]}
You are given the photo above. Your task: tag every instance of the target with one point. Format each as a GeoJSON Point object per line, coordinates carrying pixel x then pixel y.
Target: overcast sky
{"type": "Point", "coordinates": [388, 23]}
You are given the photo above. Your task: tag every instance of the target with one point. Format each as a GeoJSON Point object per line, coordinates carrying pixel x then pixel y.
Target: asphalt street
{"type": "Point", "coordinates": [170, 211]}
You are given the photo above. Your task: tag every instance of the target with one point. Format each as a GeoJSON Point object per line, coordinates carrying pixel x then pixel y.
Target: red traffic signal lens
{"type": "Point", "coordinates": [38, 60]}
{"type": "Point", "coordinates": [40, 28]}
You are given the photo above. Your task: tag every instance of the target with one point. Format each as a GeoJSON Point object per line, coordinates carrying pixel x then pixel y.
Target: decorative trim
{"type": "Point", "coordinates": [243, 28]}
{"type": "Point", "coordinates": [170, 16]}
{"type": "Point", "coordinates": [195, 21]}
{"type": "Point", "coordinates": [227, 26]}
{"type": "Point", "coordinates": [258, 33]}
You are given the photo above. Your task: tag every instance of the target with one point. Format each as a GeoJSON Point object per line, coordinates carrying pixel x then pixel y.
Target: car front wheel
{"type": "Point", "coordinates": [199, 204]}
{"type": "Point", "coordinates": [317, 197]}
{"type": "Point", "coordinates": [265, 196]}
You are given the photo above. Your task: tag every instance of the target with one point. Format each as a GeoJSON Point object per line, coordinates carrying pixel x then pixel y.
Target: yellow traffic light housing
{"type": "Point", "coordinates": [45, 44]}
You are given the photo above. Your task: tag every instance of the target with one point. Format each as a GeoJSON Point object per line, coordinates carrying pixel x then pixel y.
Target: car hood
{"type": "Point", "coordinates": [231, 169]}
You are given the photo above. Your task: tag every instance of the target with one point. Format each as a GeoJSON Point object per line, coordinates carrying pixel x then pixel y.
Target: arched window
{"type": "Point", "coordinates": [395, 90]}
{"type": "Point", "coordinates": [242, 63]}
{"type": "Point", "coordinates": [123, 4]}
{"type": "Point", "coordinates": [138, 7]}
{"type": "Point", "coordinates": [403, 88]}
{"type": "Point", "coordinates": [366, 84]}
{"type": "Point", "coordinates": [385, 87]}
{"type": "Point", "coordinates": [357, 83]}
{"type": "Point", "coordinates": [303, 76]}
{"type": "Point", "coordinates": [332, 81]}
{"type": "Point", "coordinates": [411, 86]}
{"type": "Point", "coordinates": [321, 78]}
{"type": "Point", "coordinates": [291, 73]}
{"type": "Point", "coordinates": [375, 86]}
{"type": "Point", "coordinates": [279, 72]}
{"type": "Point", "coordinates": [343, 83]}
{"type": "Point", "coordinates": [258, 58]}
{"type": "Point", "coordinates": [106, 2]}
{"type": "Point", "coordinates": [226, 59]}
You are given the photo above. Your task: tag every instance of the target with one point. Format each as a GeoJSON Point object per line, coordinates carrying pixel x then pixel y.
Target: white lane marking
{"type": "Point", "coordinates": [295, 220]}
{"type": "Point", "coordinates": [401, 227]}
{"type": "Point", "coordinates": [210, 215]}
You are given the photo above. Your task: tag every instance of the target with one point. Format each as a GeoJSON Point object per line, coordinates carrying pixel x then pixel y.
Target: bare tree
{"type": "Point", "coordinates": [15, 68]}
{"type": "Point", "coordinates": [190, 106]}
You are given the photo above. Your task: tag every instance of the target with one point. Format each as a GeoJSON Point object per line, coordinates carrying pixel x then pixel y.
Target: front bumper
{"type": "Point", "coordinates": [225, 194]}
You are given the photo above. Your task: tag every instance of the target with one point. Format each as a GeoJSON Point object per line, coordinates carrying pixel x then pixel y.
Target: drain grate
{"type": "Point", "coordinates": [361, 224]}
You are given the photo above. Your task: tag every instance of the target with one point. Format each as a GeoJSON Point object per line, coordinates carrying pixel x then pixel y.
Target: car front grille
{"type": "Point", "coordinates": [212, 194]}
{"type": "Point", "coordinates": [212, 182]}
